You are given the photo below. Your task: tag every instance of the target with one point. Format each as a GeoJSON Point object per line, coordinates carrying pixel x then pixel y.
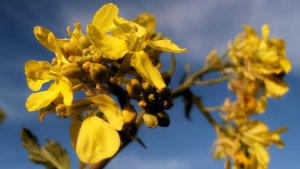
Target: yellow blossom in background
{"type": "Point", "coordinates": [248, 145]}
{"type": "Point", "coordinates": [261, 58]}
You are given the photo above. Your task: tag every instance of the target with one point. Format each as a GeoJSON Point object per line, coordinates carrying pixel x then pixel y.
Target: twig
{"type": "Point", "coordinates": [192, 78]}
{"type": "Point", "coordinates": [197, 102]}
{"type": "Point", "coordinates": [213, 81]}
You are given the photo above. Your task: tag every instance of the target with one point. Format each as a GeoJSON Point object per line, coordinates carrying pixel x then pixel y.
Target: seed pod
{"type": "Point", "coordinates": [72, 71]}
{"type": "Point", "coordinates": [150, 120]}
{"type": "Point", "coordinates": [68, 49]}
{"type": "Point", "coordinates": [134, 88]}
{"type": "Point", "coordinates": [99, 73]}
{"type": "Point", "coordinates": [163, 119]}
{"type": "Point", "coordinates": [129, 114]}
{"type": "Point", "coordinates": [167, 77]}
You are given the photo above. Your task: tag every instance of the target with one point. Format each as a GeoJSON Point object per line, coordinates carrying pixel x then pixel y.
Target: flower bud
{"type": "Point", "coordinates": [72, 71]}
{"type": "Point", "coordinates": [134, 88]}
{"type": "Point", "coordinates": [142, 104]}
{"type": "Point", "coordinates": [99, 73]}
{"type": "Point", "coordinates": [98, 57]}
{"type": "Point", "coordinates": [68, 49]}
{"type": "Point", "coordinates": [167, 77]}
{"type": "Point", "coordinates": [151, 97]}
{"type": "Point", "coordinates": [84, 42]}
{"type": "Point", "coordinates": [129, 114]}
{"type": "Point", "coordinates": [62, 111]}
{"type": "Point", "coordinates": [147, 88]}
{"type": "Point", "coordinates": [163, 119]}
{"type": "Point", "coordinates": [167, 104]}
{"type": "Point", "coordinates": [150, 120]}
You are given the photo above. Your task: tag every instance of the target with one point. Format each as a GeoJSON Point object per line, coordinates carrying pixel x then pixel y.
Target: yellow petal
{"type": "Point", "coordinates": [65, 88]}
{"type": "Point", "coordinates": [126, 26]}
{"type": "Point", "coordinates": [44, 36]}
{"type": "Point", "coordinates": [111, 110]}
{"type": "Point", "coordinates": [166, 45]}
{"type": "Point", "coordinates": [262, 155]}
{"type": "Point", "coordinates": [96, 141]}
{"type": "Point", "coordinates": [37, 73]}
{"type": "Point", "coordinates": [37, 101]}
{"type": "Point", "coordinates": [35, 85]}
{"type": "Point", "coordinates": [113, 48]}
{"type": "Point", "coordinates": [144, 67]}
{"type": "Point", "coordinates": [286, 65]}
{"type": "Point", "coordinates": [103, 19]}
{"type": "Point", "coordinates": [275, 87]}
{"type": "Point", "coordinates": [74, 131]}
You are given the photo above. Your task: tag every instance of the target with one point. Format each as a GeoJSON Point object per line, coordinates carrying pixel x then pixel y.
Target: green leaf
{"type": "Point", "coordinates": [51, 155]}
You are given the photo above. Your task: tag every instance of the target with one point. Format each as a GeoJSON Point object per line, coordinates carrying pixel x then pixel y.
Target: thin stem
{"type": "Point", "coordinates": [192, 78]}
{"type": "Point", "coordinates": [198, 103]}
{"type": "Point", "coordinates": [213, 81]}
{"type": "Point", "coordinates": [212, 109]}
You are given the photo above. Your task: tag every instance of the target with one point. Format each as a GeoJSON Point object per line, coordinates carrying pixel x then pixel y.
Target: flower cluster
{"type": "Point", "coordinates": [117, 59]}
{"type": "Point", "coordinates": [258, 67]}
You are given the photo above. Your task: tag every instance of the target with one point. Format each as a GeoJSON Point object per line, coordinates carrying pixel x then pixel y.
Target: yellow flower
{"type": "Point", "coordinates": [262, 58]}
{"type": "Point", "coordinates": [38, 73]}
{"type": "Point", "coordinates": [95, 139]}
{"type": "Point", "coordinates": [247, 145]}
{"type": "Point", "coordinates": [133, 41]}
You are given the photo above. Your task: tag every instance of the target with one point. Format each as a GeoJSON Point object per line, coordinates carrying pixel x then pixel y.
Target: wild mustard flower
{"type": "Point", "coordinates": [132, 43]}
{"type": "Point", "coordinates": [113, 48]}
{"type": "Point", "coordinates": [261, 58]}
{"type": "Point", "coordinates": [40, 72]}
{"type": "Point", "coordinates": [247, 145]}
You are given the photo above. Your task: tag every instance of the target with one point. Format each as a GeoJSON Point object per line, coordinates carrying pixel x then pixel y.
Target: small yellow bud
{"type": "Point", "coordinates": [163, 119]}
{"type": "Point", "coordinates": [97, 57]}
{"type": "Point", "coordinates": [147, 88]}
{"type": "Point", "coordinates": [129, 114]}
{"type": "Point", "coordinates": [150, 120]}
{"type": "Point", "coordinates": [151, 97]}
{"type": "Point", "coordinates": [134, 88]}
{"type": "Point", "coordinates": [68, 49]}
{"type": "Point", "coordinates": [84, 42]}
{"type": "Point", "coordinates": [86, 66]}
{"type": "Point", "coordinates": [167, 104]}
{"type": "Point", "coordinates": [99, 73]}
{"type": "Point", "coordinates": [72, 71]}
{"type": "Point", "coordinates": [142, 104]}
{"type": "Point", "coordinates": [63, 111]}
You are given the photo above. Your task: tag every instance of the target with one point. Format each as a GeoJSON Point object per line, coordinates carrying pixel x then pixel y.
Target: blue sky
{"type": "Point", "coordinates": [199, 25]}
